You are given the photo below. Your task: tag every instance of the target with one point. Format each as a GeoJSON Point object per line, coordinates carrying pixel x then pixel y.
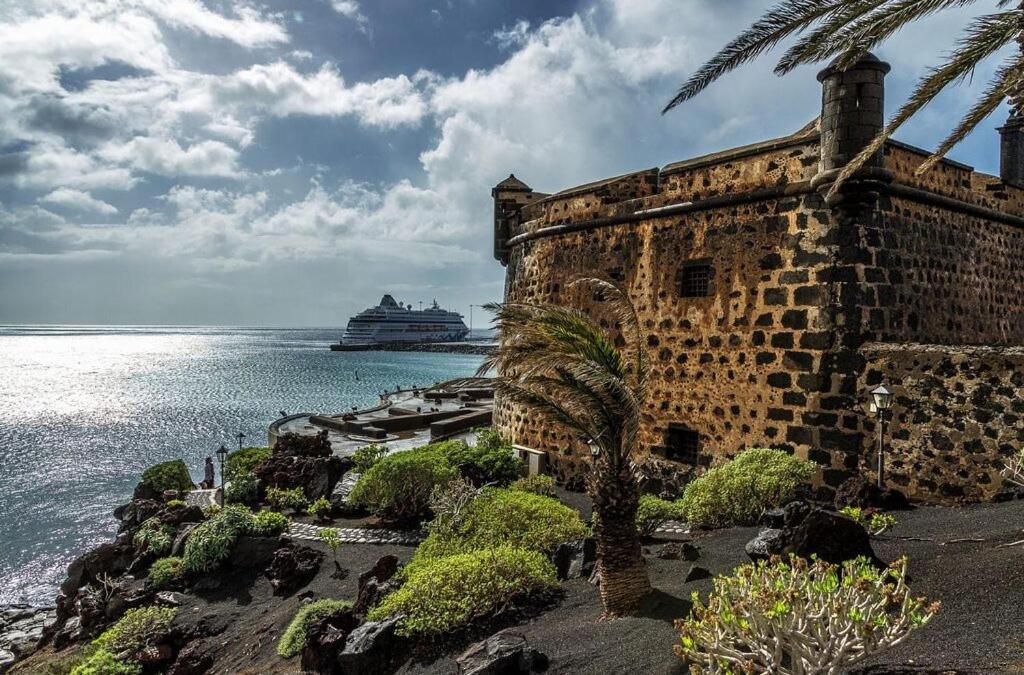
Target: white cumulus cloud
{"type": "Point", "coordinates": [79, 199]}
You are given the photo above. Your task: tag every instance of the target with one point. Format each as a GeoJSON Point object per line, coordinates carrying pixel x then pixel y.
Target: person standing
{"type": "Point", "coordinates": [208, 474]}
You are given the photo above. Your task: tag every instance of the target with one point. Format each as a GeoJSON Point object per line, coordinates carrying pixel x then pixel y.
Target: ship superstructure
{"type": "Point", "coordinates": [391, 321]}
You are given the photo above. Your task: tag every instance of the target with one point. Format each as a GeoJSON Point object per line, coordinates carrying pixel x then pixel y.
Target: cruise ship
{"type": "Point", "coordinates": [391, 321]}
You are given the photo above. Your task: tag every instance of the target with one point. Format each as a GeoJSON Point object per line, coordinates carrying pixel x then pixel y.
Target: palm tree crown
{"type": "Point", "coordinates": [558, 360]}
{"type": "Point", "coordinates": [845, 30]}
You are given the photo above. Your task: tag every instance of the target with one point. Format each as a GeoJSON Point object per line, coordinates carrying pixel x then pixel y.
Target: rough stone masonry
{"type": "Point", "coordinates": [769, 311]}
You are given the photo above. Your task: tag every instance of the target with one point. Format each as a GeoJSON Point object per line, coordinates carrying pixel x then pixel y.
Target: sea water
{"type": "Point", "coordinates": [84, 410]}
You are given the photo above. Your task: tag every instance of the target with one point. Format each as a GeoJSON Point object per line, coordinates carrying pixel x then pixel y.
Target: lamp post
{"type": "Point", "coordinates": [222, 454]}
{"type": "Point", "coordinates": [881, 401]}
{"type": "Point", "coordinates": [240, 437]}
{"type": "Point", "coordinates": [595, 449]}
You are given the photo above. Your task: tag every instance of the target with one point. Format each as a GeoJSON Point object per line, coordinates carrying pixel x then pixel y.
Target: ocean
{"type": "Point", "coordinates": [84, 410]}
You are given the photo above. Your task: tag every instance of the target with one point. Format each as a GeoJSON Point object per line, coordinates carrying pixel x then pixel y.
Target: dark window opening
{"type": "Point", "coordinates": [682, 444]}
{"type": "Point", "coordinates": [617, 274]}
{"type": "Point", "coordinates": [695, 280]}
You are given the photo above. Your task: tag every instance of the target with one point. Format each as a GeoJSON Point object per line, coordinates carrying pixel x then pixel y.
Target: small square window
{"type": "Point", "coordinates": [695, 280]}
{"type": "Point", "coordinates": [682, 444]}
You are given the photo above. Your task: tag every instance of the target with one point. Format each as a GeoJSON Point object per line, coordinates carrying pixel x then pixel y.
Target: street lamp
{"type": "Point", "coordinates": [881, 402]}
{"type": "Point", "coordinates": [222, 454]}
{"type": "Point", "coordinates": [240, 437]}
{"type": "Point", "coordinates": [595, 449]}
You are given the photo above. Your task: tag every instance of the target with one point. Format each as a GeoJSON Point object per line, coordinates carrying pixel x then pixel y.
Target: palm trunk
{"type": "Point", "coordinates": [620, 563]}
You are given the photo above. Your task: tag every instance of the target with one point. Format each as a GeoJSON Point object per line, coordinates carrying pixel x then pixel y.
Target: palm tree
{"type": "Point", "coordinates": [558, 363]}
{"type": "Point", "coordinates": [846, 29]}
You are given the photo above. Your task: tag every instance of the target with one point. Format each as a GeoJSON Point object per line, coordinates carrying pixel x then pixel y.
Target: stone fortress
{"type": "Point", "coordinates": [769, 311]}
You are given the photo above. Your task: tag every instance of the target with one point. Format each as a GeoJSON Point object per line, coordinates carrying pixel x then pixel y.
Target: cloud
{"type": "Point", "coordinates": [279, 89]}
{"type": "Point", "coordinates": [167, 157]}
{"type": "Point", "coordinates": [78, 199]}
{"type": "Point", "coordinates": [350, 9]}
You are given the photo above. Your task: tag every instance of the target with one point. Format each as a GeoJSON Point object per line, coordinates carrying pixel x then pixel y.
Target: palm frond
{"type": "Point", "coordinates": [865, 33]}
{"type": "Point", "coordinates": [982, 38]}
{"type": "Point", "coordinates": [1008, 78]}
{"type": "Point", "coordinates": [789, 17]}
{"type": "Point", "coordinates": [812, 47]}
{"type": "Point", "coordinates": [544, 405]}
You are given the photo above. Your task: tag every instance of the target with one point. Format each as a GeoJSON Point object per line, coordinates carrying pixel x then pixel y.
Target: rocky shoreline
{"type": "Point", "coordinates": [21, 629]}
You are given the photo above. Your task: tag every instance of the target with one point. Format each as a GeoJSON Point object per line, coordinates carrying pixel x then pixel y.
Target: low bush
{"type": "Point", "coordinates": [365, 457]}
{"type": "Point", "coordinates": [654, 511]}
{"type": "Point", "coordinates": [491, 460]}
{"type": "Point", "coordinates": [321, 509]}
{"type": "Point", "coordinates": [800, 617]}
{"type": "Point", "coordinates": [285, 498]}
{"type": "Point", "coordinates": [501, 517]}
{"type": "Point", "coordinates": [113, 652]}
{"type": "Point", "coordinates": [244, 488]}
{"type": "Point", "coordinates": [102, 662]}
{"type": "Point", "coordinates": [398, 487]}
{"type": "Point", "coordinates": [211, 542]}
{"type": "Point", "coordinates": [538, 485]}
{"type": "Point", "coordinates": [172, 475]}
{"type": "Point", "coordinates": [154, 537]}
{"type": "Point", "coordinates": [738, 491]}
{"type": "Point", "coordinates": [268, 524]}
{"type": "Point", "coordinates": [873, 521]}
{"type": "Point", "coordinates": [450, 593]}
{"type": "Point", "coordinates": [242, 462]}
{"type": "Point", "coordinates": [166, 572]}
{"type": "Point", "coordinates": [294, 638]}
{"type": "Point", "coordinates": [176, 503]}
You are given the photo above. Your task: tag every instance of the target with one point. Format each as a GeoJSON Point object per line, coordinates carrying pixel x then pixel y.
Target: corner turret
{"type": "Point", "coordinates": [852, 115]}
{"type": "Point", "coordinates": [510, 195]}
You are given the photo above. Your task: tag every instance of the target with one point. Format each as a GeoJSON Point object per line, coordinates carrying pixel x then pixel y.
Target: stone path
{"type": "Point", "coordinates": [202, 498]}
{"type": "Point", "coordinates": [673, 527]}
{"type": "Point", "coordinates": [357, 535]}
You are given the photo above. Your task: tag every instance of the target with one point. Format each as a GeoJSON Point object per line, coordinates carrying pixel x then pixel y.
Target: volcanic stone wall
{"type": "Point", "coordinates": [958, 416]}
{"type": "Point", "coordinates": [739, 366]}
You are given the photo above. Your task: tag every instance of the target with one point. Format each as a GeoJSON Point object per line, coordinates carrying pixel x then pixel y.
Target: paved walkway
{"type": "Point", "coordinates": [367, 535]}
{"type": "Point", "coordinates": [673, 527]}
{"type": "Point", "coordinates": [357, 535]}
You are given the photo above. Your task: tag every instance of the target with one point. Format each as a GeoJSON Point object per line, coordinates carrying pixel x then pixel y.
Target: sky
{"type": "Point", "coordinates": [285, 163]}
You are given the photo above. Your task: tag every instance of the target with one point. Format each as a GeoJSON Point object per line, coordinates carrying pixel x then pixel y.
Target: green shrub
{"type": "Point", "coordinates": [137, 629]}
{"type": "Point", "coordinates": [211, 542]}
{"type": "Point", "coordinates": [654, 511]}
{"type": "Point", "coordinates": [398, 486]}
{"type": "Point", "coordinates": [367, 456]}
{"type": "Point", "coordinates": [320, 509]}
{"type": "Point", "coordinates": [294, 638]}
{"type": "Point", "coordinates": [102, 662]}
{"type": "Point", "coordinates": [738, 491]}
{"type": "Point", "coordinates": [176, 503]}
{"type": "Point", "coordinates": [501, 517]}
{"type": "Point", "coordinates": [154, 537]}
{"type": "Point", "coordinates": [210, 510]}
{"type": "Point", "coordinates": [242, 489]}
{"type": "Point", "coordinates": [491, 460]}
{"type": "Point", "coordinates": [800, 617]}
{"type": "Point", "coordinates": [287, 498]}
{"type": "Point", "coordinates": [874, 522]}
{"type": "Point", "coordinates": [242, 462]}
{"type": "Point", "coordinates": [172, 475]}
{"type": "Point", "coordinates": [268, 524]}
{"type": "Point", "coordinates": [538, 485]}
{"type": "Point", "coordinates": [452, 592]}
{"type": "Point", "coordinates": [166, 572]}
